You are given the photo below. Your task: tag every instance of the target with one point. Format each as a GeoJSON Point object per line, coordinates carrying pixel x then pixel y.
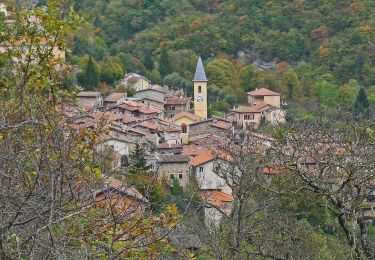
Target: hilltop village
{"type": "Point", "coordinates": [179, 140]}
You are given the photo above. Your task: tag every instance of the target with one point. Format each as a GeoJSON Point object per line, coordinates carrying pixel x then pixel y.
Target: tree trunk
{"type": "Point", "coordinates": [350, 236]}
{"type": "Point", "coordinates": [364, 240]}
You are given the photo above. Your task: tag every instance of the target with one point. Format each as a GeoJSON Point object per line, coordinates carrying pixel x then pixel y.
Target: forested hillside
{"type": "Point", "coordinates": [313, 41]}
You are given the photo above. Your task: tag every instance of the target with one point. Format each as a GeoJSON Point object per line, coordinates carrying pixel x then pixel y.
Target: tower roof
{"type": "Point", "coordinates": [200, 75]}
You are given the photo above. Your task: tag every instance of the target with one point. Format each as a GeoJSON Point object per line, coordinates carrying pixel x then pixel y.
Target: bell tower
{"type": "Point", "coordinates": [200, 91]}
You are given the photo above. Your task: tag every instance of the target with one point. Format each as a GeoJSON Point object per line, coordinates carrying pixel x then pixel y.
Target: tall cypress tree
{"type": "Point", "coordinates": [165, 66]}
{"type": "Point", "coordinates": [361, 105]}
{"type": "Point", "coordinates": [90, 77]}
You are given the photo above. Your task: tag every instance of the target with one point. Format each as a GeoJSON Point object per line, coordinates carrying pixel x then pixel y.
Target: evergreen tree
{"type": "Point", "coordinates": [361, 105]}
{"type": "Point", "coordinates": [90, 76]}
{"type": "Point", "coordinates": [137, 161]}
{"type": "Point", "coordinates": [148, 62]}
{"type": "Point", "coordinates": [165, 66]}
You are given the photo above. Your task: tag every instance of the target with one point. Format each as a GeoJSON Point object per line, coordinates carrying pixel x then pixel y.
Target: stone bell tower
{"type": "Point", "coordinates": [200, 91]}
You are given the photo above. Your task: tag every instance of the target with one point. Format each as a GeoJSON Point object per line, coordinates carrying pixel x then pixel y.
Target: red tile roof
{"type": "Point", "coordinates": [219, 124]}
{"type": "Point", "coordinates": [171, 130]}
{"type": "Point", "coordinates": [263, 92]}
{"type": "Point", "coordinates": [206, 155]}
{"type": "Point", "coordinates": [216, 198]}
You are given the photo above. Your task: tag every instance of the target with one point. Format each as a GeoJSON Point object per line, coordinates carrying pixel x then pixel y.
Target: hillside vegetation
{"type": "Point", "coordinates": [310, 42]}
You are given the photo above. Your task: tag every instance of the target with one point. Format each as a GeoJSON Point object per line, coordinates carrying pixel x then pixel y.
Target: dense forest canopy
{"type": "Point", "coordinates": [334, 36]}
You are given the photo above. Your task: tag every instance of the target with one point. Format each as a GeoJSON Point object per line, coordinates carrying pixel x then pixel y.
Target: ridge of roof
{"type": "Point", "coordinates": [263, 92]}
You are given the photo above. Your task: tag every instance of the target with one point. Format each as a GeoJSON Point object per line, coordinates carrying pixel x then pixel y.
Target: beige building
{"type": "Point", "coordinates": [135, 81]}
{"type": "Point", "coordinates": [250, 117]}
{"type": "Point", "coordinates": [264, 95]}
{"type": "Point", "coordinates": [184, 119]}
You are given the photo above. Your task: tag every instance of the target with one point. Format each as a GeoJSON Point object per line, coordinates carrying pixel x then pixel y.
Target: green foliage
{"type": "Point", "coordinates": [176, 81]}
{"type": "Point", "coordinates": [87, 43]}
{"type": "Point", "coordinates": [155, 77]}
{"type": "Point", "coordinates": [326, 92]}
{"type": "Point", "coordinates": [348, 93]}
{"type": "Point", "coordinates": [371, 95]}
{"type": "Point", "coordinates": [220, 106]}
{"type": "Point", "coordinates": [111, 70]}
{"type": "Point", "coordinates": [90, 76]}
{"type": "Point", "coordinates": [249, 78]}
{"type": "Point", "coordinates": [361, 105]}
{"type": "Point", "coordinates": [220, 72]}
{"type": "Point", "coordinates": [165, 66]}
{"type": "Point", "coordinates": [292, 86]}
{"type": "Point", "coordinates": [137, 161]}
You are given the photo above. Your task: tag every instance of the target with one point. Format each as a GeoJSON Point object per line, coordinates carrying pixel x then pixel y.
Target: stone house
{"type": "Point", "coordinates": [114, 99]}
{"type": "Point", "coordinates": [264, 95]}
{"type": "Point", "coordinates": [173, 166]}
{"type": "Point", "coordinates": [90, 99]}
{"type": "Point", "coordinates": [216, 126]}
{"type": "Point", "coordinates": [175, 105]}
{"type": "Point", "coordinates": [171, 136]}
{"type": "Point", "coordinates": [154, 91]}
{"type": "Point", "coordinates": [152, 102]}
{"type": "Point", "coordinates": [135, 81]}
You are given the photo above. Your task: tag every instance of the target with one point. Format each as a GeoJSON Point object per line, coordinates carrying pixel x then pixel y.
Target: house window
{"type": "Point", "coordinates": [249, 117]}
{"type": "Point", "coordinates": [184, 128]}
{"type": "Point", "coordinates": [180, 176]}
{"type": "Point", "coordinates": [199, 89]}
{"type": "Point", "coordinates": [172, 176]}
{"type": "Point", "coordinates": [152, 167]}
{"type": "Point", "coordinates": [201, 169]}
{"type": "Point", "coordinates": [124, 161]}
{"type": "Point", "coordinates": [173, 108]}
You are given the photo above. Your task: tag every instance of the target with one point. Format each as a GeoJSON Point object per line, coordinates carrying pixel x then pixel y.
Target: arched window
{"type": "Point", "coordinates": [199, 89]}
{"type": "Point", "coordinates": [184, 128]}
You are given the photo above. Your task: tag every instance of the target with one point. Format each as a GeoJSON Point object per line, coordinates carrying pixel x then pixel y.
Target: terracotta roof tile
{"type": "Point", "coordinates": [216, 198]}
{"type": "Point", "coordinates": [177, 101]}
{"type": "Point", "coordinates": [109, 182]}
{"type": "Point", "coordinates": [188, 115]}
{"type": "Point", "coordinates": [219, 124]}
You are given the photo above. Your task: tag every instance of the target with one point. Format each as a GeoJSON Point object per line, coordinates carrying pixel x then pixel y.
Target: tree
{"type": "Point", "coordinates": [140, 176]}
{"type": "Point", "coordinates": [50, 174]}
{"type": "Point", "coordinates": [348, 93]}
{"type": "Point", "coordinates": [90, 76]}
{"type": "Point", "coordinates": [249, 78]}
{"type": "Point", "coordinates": [220, 72]}
{"type": "Point", "coordinates": [292, 86]}
{"type": "Point", "coordinates": [155, 77]}
{"type": "Point", "coordinates": [111, 70]}
{"type": "Point", "coordinates": [245, 230]}
{"type": "Point", "coordinates": [137, 161]}
{"type": "Point", "coordinates": [333, 158]}
{"type": "Point", "coordinates": [165, 66]}
{"type": "Point", "coordinates": [361, 105]}
{"type": "Point", "coordinates": [147, 61]}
